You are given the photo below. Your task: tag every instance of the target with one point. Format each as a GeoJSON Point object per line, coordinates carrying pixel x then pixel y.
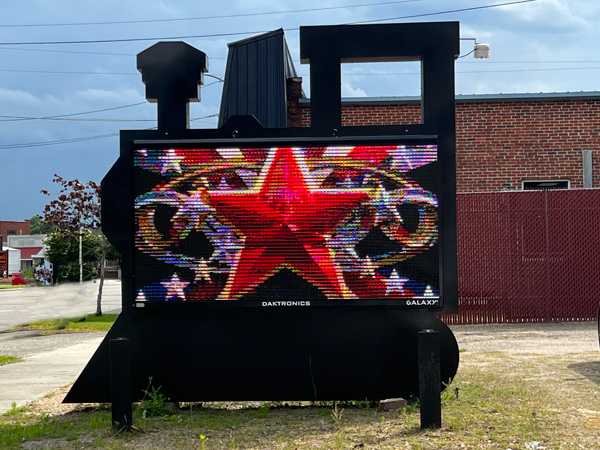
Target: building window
{"type": "Point", "coordinates": [545, 185]}
{"type": "Point", "coordinates": [10, 232]}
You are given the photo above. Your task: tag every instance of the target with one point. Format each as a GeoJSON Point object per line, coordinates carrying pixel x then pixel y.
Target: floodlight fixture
{"type": "Point", "coordinates": [480, 50]}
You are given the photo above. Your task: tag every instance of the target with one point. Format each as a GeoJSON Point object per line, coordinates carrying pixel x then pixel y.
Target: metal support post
{"type": "Point", "coordinates": [430, 379]}
{"type": "Point", "coordinates": [120, 384]}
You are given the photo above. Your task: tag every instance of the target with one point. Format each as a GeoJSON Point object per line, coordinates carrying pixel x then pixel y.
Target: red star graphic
{"type": "Point", "coordinates": [285, 221]}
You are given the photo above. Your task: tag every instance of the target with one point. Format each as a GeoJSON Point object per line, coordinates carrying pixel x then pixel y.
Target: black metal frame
{"type": "Point", "coordinates": [285, 353]}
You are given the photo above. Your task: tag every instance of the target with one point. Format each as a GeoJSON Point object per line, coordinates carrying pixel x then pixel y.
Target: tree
{"type": "Point", "coordinates": [37, 225]}
{"type": "Point", "coordinates": [63, 249]}
{"type": "Point", "coordinates": [75, 214]}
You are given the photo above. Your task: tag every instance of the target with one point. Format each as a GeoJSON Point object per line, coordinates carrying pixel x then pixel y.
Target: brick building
{"type": "Point", "coordinates": [13, 227]}
{"type": "Point", "coordinates": [503, 141]}
{"type": "Point", "coordinates": [523, 255]}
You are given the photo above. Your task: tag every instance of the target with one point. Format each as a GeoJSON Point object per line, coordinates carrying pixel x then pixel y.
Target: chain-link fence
{"type": "Point", "coordinates": [530, 256]}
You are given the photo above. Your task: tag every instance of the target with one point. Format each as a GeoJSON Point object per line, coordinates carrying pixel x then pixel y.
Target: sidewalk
{"type": "Point", "coordinates": [50, 361]}
{"type": "Point", "coordinates": [39, 374]}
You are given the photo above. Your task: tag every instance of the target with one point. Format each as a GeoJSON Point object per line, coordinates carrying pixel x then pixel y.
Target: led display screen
{"type": "Point", "coordinates": [286, 225]}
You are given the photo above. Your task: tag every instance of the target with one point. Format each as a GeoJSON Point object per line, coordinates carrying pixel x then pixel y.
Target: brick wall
{"type": "Point", "coordinates": [381, 114]}
{"type": "Point", "coordinates": [19, 227]}
{"type": "Point", "coordinates": [501, 143]}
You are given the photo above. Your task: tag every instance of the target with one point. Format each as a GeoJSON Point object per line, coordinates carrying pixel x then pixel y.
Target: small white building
{"type": "Point", "coordinates": [31, 249]}
{"type": "Point", "coordinates": [14, 260]}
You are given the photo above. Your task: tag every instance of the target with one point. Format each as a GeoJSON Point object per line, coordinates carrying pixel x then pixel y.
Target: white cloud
{"type": "Point", "coordinates": [15, 97]}
{"type": "Point", "coordinates": [103, 96]}
{"type": "Point", "coordinates": [552, 14]}
{"type": "Point", "coordinates": [349, 91]}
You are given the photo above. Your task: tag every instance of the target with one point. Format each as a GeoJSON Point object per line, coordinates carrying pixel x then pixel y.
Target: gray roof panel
{"type": "Point", "coordinates": [471, 98]}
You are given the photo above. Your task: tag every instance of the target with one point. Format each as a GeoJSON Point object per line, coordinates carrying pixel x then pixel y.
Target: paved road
{"type": "Point", "coordinates": [50, 361]}
{"type": "Point", "coordinates": [31, 303]}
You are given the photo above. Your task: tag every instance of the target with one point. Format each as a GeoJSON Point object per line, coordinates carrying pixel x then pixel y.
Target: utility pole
{"type": "Point", "coordinates": [80, 254]}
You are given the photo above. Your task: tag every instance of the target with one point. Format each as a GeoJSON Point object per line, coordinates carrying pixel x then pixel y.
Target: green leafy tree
{"type": "Point", "coordinates": [63, 248]}
{"type": "Point", "coordinates": [38, 226]}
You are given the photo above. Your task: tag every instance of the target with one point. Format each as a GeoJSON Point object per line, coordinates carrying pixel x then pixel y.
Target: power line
{"type": "Point", "coordinates": [229, 16]}
{"type": "Point", "coordinates": [66, 72]}
{"type": "Point", "coordinates": [75, 140]}
{"type": "Point", "coordinates": [62, 141]}
{"type": "Point", "coordinates": [205, 117]}
{"type": "Point", "coordinates": [220, 80]}
{"type": "Point", "coordinates": [164, 38]}
{"type": "Point", "coordinates": [78, 52]}
{"type": "Point", "coordinates": [74, 114]}
{"type": "Point", "coordinates": [547, 69]}
{"type": "Point", "coordinates": [66, 51]}
{"type": "Point", "coordinates": [59, 118]}
{"type": "Point", "coordinates": [71, 119]}
{"type": "Point", "coordinates": [474, 8]}
{"type": "Point", "coordinates": [346, 74]}
{"type": "Point", "coordinates": [528, 62]}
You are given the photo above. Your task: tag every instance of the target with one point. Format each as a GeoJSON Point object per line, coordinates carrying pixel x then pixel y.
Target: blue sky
{"type": "Point", "coordinates": [537, 46]}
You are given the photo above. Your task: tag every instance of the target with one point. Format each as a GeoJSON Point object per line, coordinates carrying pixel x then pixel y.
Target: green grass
{"type": "Point", "coordinates": [504, 402]}
{"type": "Point", "coordinates": [88, 323]}
{"type": "Point", "coordinates": [9, 360]}
{"type": "Point", "coordinates": [10, 286]}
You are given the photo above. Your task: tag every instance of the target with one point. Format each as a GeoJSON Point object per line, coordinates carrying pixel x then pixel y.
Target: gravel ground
{"type": "Point", "coordinates": [32, 342]}
{"type": "Point", "coordinates": [544, 338]}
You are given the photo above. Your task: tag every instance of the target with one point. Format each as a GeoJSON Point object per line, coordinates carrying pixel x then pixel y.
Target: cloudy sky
{"type": "Point", "coordinates": [68, 78]}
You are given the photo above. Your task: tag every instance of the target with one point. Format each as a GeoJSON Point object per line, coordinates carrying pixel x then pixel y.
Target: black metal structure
{"type": "Point", "coordinates": [120, 384]}
{"type": "Point", "coordinates": [287, 353]}
{"type": "Point", "coordinates": [255, 79]}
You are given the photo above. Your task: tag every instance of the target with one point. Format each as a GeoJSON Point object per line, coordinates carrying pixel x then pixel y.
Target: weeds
{"type": "Point", "coordinates": [337, 415]}
{"type": "Point", "coordinates": [14, 410]}
{"type": "Point", "coordinates": [154, 404]}
{"type": "Point", "coordinates": [412, 406]}
{"type": "Point", "coordinates": [9, 360]}
{"type": "Point", "coordinates": [263, 411]}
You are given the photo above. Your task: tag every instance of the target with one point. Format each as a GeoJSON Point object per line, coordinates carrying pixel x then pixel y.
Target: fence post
{"type": "Point", "coordinates": [430, 379]}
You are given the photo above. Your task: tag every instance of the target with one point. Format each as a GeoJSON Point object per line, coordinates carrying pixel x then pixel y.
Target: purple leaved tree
{"type": "Point", "coordinates": [76, 210]}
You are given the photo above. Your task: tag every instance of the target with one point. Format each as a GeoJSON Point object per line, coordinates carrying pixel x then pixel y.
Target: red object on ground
{"type": "Point", "coordinates": [17, 279]}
